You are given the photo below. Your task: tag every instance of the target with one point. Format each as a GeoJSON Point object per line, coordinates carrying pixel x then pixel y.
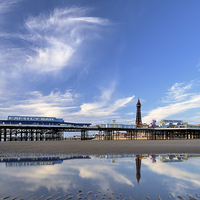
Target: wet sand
{"type": "Point", "coordinates": [96, 147]}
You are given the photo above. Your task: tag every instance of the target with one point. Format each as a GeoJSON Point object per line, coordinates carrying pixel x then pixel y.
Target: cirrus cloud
{"type": "Point", "coordinates": [180, 101]}
{"type": "Point", "coordinates": [49, 40]}
{"type": "Point", "coordinates": [58, 36]}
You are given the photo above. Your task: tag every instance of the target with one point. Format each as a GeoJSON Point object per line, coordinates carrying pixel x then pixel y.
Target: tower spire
{"type": "Point", "coordinates": [138, 114]}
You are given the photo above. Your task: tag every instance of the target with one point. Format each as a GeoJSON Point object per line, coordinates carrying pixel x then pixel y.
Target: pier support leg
{"type": "Point", "coordinates": [10, 134]}
{"type": "Point", "coordinates": [21, 134]}
{"type": "Point", "coordinates": [4, 134]}
{"type": "Point", "coordinates": [131, 134]}
{"type": "Point", "coordinates": [26, 135]}
{"type": "Point", "coordinates": [31, 134]}
{"type": "Point", "coordinates": [82, 134]}
{"type": "Point", "coordinates": [100, 135]}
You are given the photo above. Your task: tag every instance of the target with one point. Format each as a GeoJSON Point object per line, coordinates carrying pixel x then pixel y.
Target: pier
{"type": "Point", "coordinates": [23, 132]}
{"type": "Point", "coordinates": [173, 133]}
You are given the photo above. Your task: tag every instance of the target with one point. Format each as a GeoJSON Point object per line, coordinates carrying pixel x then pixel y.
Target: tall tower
{"type": "Point", "coordinates": [138, 114]}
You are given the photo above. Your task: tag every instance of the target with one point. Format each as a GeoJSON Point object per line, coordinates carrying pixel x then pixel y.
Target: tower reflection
{"type": "Point", "coordinates": [138, 167]}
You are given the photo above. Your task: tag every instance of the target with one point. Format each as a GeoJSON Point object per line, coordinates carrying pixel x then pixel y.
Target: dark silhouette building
{"type": "Point", "coordinates": [138, 167]}
{"type": "Point", "coordinates": [138, 114]}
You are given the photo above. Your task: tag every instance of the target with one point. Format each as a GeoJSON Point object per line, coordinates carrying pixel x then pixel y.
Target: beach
{"type": "Point", "coordinates": [96, 147]}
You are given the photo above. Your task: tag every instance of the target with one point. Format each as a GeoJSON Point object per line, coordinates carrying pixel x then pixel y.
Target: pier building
{"type": "Point", "coordinates": [28, 128]}
{"type": "Point", "coordinates": [29, 120]}
{"type": "Point", "coordinates": [117, 125]}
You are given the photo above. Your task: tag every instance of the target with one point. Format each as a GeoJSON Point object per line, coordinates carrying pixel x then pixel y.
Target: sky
{"type": "Point", "coordinates": [90, 61]}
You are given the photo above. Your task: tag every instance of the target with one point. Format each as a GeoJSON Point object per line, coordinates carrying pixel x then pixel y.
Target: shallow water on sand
{"type": "Point", "coordinates": [169, 176]}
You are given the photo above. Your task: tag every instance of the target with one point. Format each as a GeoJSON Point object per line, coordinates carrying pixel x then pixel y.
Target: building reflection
{"type": "Point", "coordinates": [153, 158]}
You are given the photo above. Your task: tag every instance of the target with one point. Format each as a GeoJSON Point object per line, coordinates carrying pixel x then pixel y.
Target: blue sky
{"type": "Point", "coordinates": [89, 61]}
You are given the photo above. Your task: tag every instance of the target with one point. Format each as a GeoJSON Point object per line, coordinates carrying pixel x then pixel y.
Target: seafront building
{"type": "Point", "coordinates": [177, 124]}
{"type": "Point", "coordinates": [171, 123]}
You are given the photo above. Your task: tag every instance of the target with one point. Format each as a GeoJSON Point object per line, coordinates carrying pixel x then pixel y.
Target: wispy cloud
{"type": "Point", "coordinates": [172, 109]}
{"type": "Point", "coordinates": [36, 104]}
{"type": "Point", "coordinates": [104, 106]}
{"type": "Point", "coordinates": [6, 5]}
{"type": "Point", "coordinates": [180, 102]}
{"type": "Point", "coordinates": [48, 42]}
{"type": "Point", "coordinates": [102, 109]}
{"type": "Point", "coordinates": [178, 92]}
{"type": "Point", "coordinates": [198, 64]}
{"type": "Point", "coordinates": [131, 113]}
{"type": "Point", "coordinates": [57, 37]}
{"type": "Point", "coordinates": [64, 105]}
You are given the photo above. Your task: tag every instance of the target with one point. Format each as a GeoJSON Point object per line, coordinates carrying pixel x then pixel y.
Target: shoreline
{"type": "Point", "coordinates": [97, 147]}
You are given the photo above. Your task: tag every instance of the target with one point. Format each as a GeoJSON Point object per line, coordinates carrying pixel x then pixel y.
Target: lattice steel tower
{"type": "Point", "coordinates": [138, 114]}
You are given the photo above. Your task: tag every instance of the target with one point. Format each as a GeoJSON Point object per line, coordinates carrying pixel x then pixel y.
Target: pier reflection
{"type": "Point", "coordinates": [34, 161]}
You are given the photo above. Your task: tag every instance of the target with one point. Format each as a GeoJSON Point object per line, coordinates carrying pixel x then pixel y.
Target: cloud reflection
{"type": "Point", "coordinates": [175, 178]}
{"type": "Point", "coordinates": [66, 176]}
{"type": "Point", "coordinates": [174, 172]}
